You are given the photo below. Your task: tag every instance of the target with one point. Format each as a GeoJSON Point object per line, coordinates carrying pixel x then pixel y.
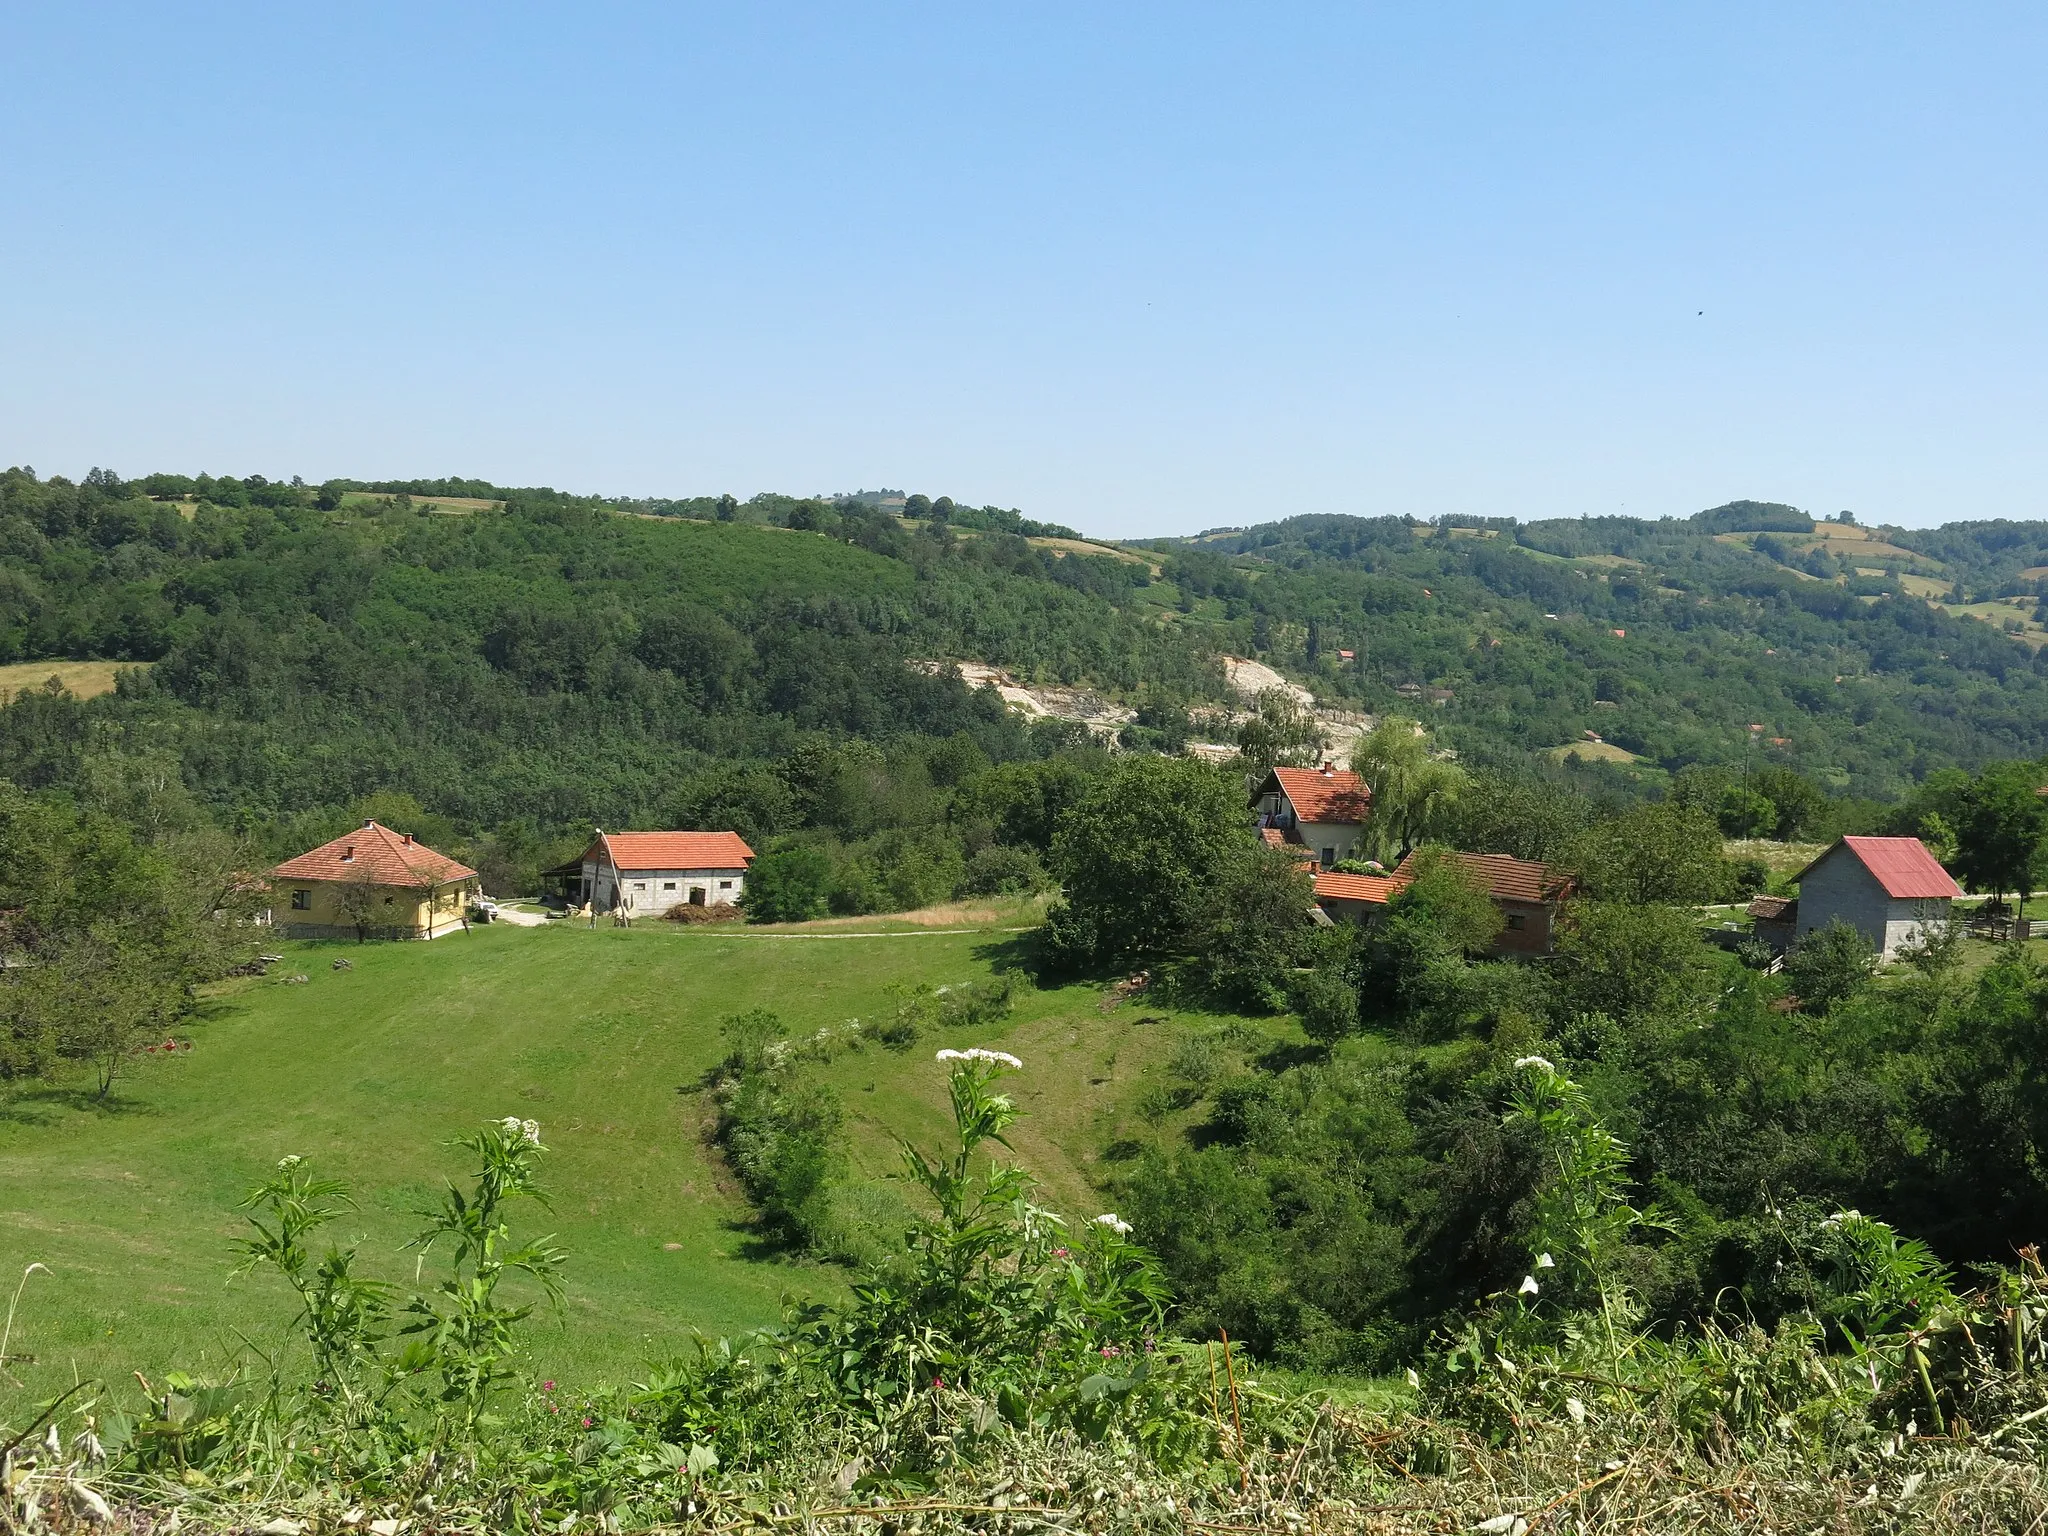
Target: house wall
{"type": "Point", "coordinates": [1341, 836]}
{"type": "Point", "coordinates": [399, 912]}
{"type": "Point", "coordinates": [1840, 887]}
{"type": "Point", "coordinates": [656, 890]}
{"type": "Point", "coordinates": [1356, 912]}
{"type": "Point", "coordinates": [1532, 936]}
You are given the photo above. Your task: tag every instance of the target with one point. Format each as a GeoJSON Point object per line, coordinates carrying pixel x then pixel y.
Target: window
{"type": "Point", "coordinates": [1329, 857]}
{"type": "Point", "coordinates": [639, 885]}
{"type": "Point", "coordinates": [668, 885]}
{"type": "Point", "coordinates": [725, 885]}
{"type": "Point", "coordinates": [302, 901]}
{"type": "Point", "coordinates": [1517, 920]}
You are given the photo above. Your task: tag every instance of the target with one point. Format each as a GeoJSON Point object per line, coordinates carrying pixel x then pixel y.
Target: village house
{"type": "Point", "coordinates": [1322, 810]}
{"type": "Point", "coordinates": [1528, 895]}
{"type": "Point", "coordinates": [1889, 889]}
{"type": "Point", "coordinates": [641, 874]}
{"type": "Point", "coordinates": [371, 883]}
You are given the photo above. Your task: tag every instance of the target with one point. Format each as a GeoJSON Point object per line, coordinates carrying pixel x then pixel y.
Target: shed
{"type": "Point", "coordinates": [1889, 889]}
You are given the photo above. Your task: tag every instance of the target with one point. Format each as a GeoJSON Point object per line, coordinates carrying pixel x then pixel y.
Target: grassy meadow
{"type": "Point", "coordinates": [603, 1035]}
{"type": "Point", "coordinates": [85, 679]}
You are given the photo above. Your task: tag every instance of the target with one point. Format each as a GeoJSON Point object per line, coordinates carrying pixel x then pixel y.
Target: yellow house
{"type": "Point", "coordinates": [372, 883]}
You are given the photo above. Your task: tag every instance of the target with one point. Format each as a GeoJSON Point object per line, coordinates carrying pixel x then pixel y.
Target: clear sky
{"type": "Point", "coordinates": [1143, 269]}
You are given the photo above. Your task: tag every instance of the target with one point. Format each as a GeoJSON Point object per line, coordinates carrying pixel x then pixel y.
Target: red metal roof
{"type": "Point", "coordinates": [674, 850]}
{"type": "Point", "coordinates": [1502, 877]}
{"type": "Point", "coordinates": [378, 856]}
{"type": "Point", "coordinates": [1374, 888]}
{"type": "Point", "coordinates": [1322, 794]}
{"type": "Point", "coordinates": [1902, 865]}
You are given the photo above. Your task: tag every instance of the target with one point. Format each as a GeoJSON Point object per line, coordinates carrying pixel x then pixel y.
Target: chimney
{"type": "Point", "coordinates": [348, 854]}
{"type": "Point", "coordinates": [1329, 771]}
{"type": "Point", "coordinates": [406, 839]}
{"type": "Point", "coordinates": [368, 824]}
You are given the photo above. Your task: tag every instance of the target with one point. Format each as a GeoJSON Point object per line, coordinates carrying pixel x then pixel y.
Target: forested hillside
{"type": "Point", "coordinates": [520, 663]}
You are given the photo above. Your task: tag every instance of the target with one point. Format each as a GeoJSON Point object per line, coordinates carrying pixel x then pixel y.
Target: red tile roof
{"type": "Point", "coordinates": [1273, 837]}
{"type": "Point", "coordinates": [1322, 794]}
{"type": "Point", "coordinates": [1374, 888]}
{"type": "Point", "coordinates": [1775, 909]}
{"type": "Point", "coordinates": [1504, 878]}
{"type": "Point", "coordinates": [377, 855]}
{"type": "Point", "coordinates": [1902, 865]}
{"type": "Point", "coordinates": [674, 850]}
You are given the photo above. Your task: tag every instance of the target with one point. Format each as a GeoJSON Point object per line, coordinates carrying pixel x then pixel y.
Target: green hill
{"type": "Point", "coordinates": [602, 1036]}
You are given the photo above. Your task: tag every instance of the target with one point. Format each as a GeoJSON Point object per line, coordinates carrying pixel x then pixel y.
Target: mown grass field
{"type": "Point", "coordinates": [600, 1034]}
{"type": "Point", "coordinates": [86, 679]}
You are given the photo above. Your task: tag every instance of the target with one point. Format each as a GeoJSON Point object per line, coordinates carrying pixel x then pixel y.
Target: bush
{"type": "Point", "coordinates": [1000, 871]}
{"type": "Point", "coordinates": [1328, 1004]}
{"type": "Point", "coordinates": [788, 885]}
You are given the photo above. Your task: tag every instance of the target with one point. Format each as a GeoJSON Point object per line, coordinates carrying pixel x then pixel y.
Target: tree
{"type": "Point", "coordinates": [1410, 787]}
{"type": "Point", "coordinates": [1282, 732]}
{"type": "Point", "coordinates": [1745, 811]}
{"type": "Point", "coordinates": [1655, 853]}
{"type": "Point", "coordinates": [1137, 855]}
{"type": "Point", "coordinates": [788, 885]}
{"type": "Point", "coordinates": [2002, 830]}
{"type": "Point", "coordinates": [1413, 961]}
{"type": "Point", "coordinates": [1829, 966]}
{"type": "Point", "coordinates": [356, 899]}
{"type": "Point", "coordinates": [1629, 962]}
{"type": "Point", "coordinates": [728, 508]}
{"type": "Point", "coordinates": [1796, 802]}
{"type": "Point", "coordinates": [1525, 818]}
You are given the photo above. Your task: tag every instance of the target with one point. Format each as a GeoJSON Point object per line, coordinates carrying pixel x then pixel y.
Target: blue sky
{"type": "Point", "coordinates": [1143, 269]}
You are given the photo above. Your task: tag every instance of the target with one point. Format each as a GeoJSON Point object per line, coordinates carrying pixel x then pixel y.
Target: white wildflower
{"type": "Point", "coordinates": [1533, 1061]}
{"type": "Point", "coordinates": [53, 1443]}
{"type": "Point", "coordinates": [287, 1164]}
{"type": "Point", "coordinates": [981, 1053]}
{"type": "Point", "coordinates": [1545, 1261]}
{"type": "Point", "coordinates": [1114, 1222]}
{"type": "Point", "coordinates": [527, 1131]}
{"type": "Point", "coordinates": [1413, 1379]}
{"type": "Point", "coordinates": [1529, 1286]}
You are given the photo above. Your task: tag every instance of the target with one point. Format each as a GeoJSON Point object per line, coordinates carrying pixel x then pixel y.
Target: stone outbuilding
{"type": "Point", "coordinates": [1889, 889]}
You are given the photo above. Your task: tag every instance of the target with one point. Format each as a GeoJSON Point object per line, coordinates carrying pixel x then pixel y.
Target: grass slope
{"type": "Point", "coordinates": [599, 1034]}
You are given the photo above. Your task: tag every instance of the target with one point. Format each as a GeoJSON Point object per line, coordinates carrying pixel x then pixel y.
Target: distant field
{"type": "Point", "coordinates": [1086, 547]}
{"type": "Point", "coordinates": [601, 1035]}
{"type": "Point", "coordinates": [451, 504]}
{"type": "Point", "coordinates": [1593, 752]}
{"type": "Point", "coordinates": [1781, 858]}
{"type": "Point", "coordinates": [1997, 614]}
{"type": "Point", "coordinates": [87, 679]}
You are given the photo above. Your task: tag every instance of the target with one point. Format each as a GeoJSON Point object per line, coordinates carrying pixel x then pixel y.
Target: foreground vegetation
{"type": "Point", "coordinates": [1009, 1366]}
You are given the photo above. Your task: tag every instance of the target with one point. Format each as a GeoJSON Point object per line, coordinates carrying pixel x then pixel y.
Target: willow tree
{"type": "Point", "coordinates": [1410, 785]}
